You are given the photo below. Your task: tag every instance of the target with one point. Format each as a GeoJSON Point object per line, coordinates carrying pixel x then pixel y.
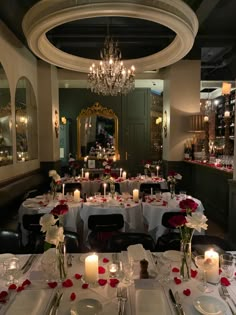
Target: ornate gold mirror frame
{"type": "Point", "coordinates": [85, 120]}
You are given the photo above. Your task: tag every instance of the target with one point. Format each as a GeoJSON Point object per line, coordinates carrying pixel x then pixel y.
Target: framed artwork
{"type": "Point", "coordinates": [91, 163]}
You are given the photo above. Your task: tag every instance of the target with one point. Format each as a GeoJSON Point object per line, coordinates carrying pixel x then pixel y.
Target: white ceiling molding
{"type": "Point", "coordinates": [46, 15]}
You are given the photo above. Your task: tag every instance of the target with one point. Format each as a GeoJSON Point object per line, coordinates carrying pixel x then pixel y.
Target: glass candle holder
{"type": "Point", "coordinates": [113, 270]}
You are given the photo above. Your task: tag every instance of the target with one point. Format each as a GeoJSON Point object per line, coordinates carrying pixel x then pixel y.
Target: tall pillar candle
{"type": "Point", "coordinates": [77, 195]}
{"type": "Point", "coordinates": [104, 187]}
{"type": "Point", "coordinates": [124, 175]}
{"type": "Point", "coordinates": [212, 274]}
{"type": "Point", "coordinates": [63, 189]}
{"type": "Point", "coordinates": [120, 172]}
{"type": "Point", "coordinates": [82, 172]}
{"type": "Point", "coordinates": [91, 268]}
{"type": "Point", "coordinates": [158, 167]}
{"type": "Point", "coordinates": [135, 195]}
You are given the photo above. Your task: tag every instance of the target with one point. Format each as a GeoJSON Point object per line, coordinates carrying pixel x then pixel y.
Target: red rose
{"type": "Point", "coordinates": [187, 204]}
{"type": "Point", "coordinates": [60, 209]}
{"type": "Point", "coordinates": [172, 173]}
{"type": "Point", "coordinates": [177, 221]}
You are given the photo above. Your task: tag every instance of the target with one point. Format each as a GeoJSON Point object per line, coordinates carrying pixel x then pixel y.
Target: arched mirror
{"type": "Point", "coordinates": [26, 121]}
{"type": "Point", "coordinates": [5, 120]}
{"type": "Point", "coordinates": [97, 133]}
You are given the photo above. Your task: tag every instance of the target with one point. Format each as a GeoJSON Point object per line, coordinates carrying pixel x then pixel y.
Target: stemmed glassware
{"type": "Point", "coordinates": [128, 270]}
{"type": "Point", "coordinates": [11, 270]}
{"type": "Point", "coordinates": [227, 265]}
{"type": "Point", "coordinates": [204, 265]}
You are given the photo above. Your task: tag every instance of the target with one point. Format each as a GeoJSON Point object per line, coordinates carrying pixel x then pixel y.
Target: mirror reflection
{"type": "Point", "coordinates": [97, 133]}
{"type": "Point", "coordinates": [5, 120]}
{"type": "Point", "coordinates": [26, 121]}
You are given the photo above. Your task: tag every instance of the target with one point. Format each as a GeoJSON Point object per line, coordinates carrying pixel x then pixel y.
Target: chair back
{"type": "Point", "coordinates": [72, 242]}
{"type": "Point", "coordinates": [71, 187]}
{"type": "Point", "coordinates": [10, 242]}
{"type": "Point", "coordinates": [108, 188]}
{"type": "Point", "coordinates": [146, 188]}
{"type": "Point", "coordinates": [106, 222]}
{"type": "Point", "coordinates": [30, 222]}
{"type": "Point", "coordinates": [122, 241]}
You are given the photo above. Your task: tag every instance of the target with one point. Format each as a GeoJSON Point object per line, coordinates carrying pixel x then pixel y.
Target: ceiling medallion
{"type": "Point", "coordinates": [47, 14]}
{"type": "Point", "coordinates": [111, 77]}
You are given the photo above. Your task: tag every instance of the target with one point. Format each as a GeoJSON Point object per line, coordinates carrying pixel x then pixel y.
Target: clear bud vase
{"type": "Point", "coordinates": [112, 190]}
{"type": "Point", "coordinates": [61, 261]}
{"type": "Point", "coordinates": [172, 190]}
{"type": "Point", "coordinates": [185, 268]}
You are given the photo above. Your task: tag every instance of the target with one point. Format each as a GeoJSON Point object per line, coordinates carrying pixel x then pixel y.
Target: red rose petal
{"type": "Point", "coordinates": [224, 281]}
{"type": "Point", "coordinates": [102, 282]}
{"type": "Point", "coordinates": [73, 296]}
{"type": "Point", "coordinates": [193, 273]}
{"type": "Point", "coordinates": [101, 270]}
{"type": "Point", "coordinates": [3, 294]}
{"type": "Point", "coordinates": [175, 269]}
{"type": "Point", "coordinates": [187, 292]}
{"type": "Point", "coordinates": [52, 284]}
{"type": "Point", "coordinates": [85, 285]}
{"type": "Point", "coordinates": [105, 260]}
{"type": "Point", "coordinates": [114, 282]}
{"type": "Point", "coordinates": [20, 288]}
{"type": "Point", "coordinates": [26, 282]}
{"type": "Point", "coordinates": [78, 276]}
{"type": "Point", "coordinates": [67, 283]}
{"type": "Point", "coordinates": [12, 286]}
{"type": "Point", "coordinates": [220, 271]}
{"type": "Point", "coordinates": [177, 280]}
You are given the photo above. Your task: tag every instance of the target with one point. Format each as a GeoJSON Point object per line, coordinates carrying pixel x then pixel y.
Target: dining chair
{"type": "Point", "coordinates": [71, 187]}
{"type": "Point", "coordinates": [120, 242]}
{"type": "Point", "coordinates": [146, 188]}
{"type": "Point", "coordinates": [10, 242]}
{"type": "Point", "coordinates": [103, 227]}
{"type": "Point", "coordinates": [117, 188]}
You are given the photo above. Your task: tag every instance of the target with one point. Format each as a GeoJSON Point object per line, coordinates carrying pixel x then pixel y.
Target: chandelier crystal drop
{"type": "Point", "coordinates": [111, 77]}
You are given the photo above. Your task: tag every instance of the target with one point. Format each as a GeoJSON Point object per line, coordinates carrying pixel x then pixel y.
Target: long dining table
{"type": "Point", "coordinates": [35, 290]}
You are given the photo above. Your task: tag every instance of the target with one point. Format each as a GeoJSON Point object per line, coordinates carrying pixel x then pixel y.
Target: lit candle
{"type": "Point", "coordinates": [120, 172]}
{"type": "Point", "coordinates": [212, 275]}
{"type": "Point", "coordinates": [114, 158]}
{"type": "Point", "coordinates": [77, 195]}
{"type": "Point", "coordinates": [91, 268]}
{"type": "Point", "coordinates": [104, 186]}
{"type": "Point", "coordinates": [113, 270]}
{"type": "Point", "coordinates": [158, 167]}
{"type": "Point", "coordinates": [63, 189]}
{"type": "Point", "coordinates": [87, 175]}
{"type": "Point", "coordinates": [124, 175]}
{"type": "Point", "coordinates": [135, 195]}
{"type": "Point", "coordinates": [227, 114]}
{"type": "Point", "coordinates": [82, 172]}
{"type": "Point", "coordinates": [85, 159]}
{"type": "Point", "coordinates": [206, 118]}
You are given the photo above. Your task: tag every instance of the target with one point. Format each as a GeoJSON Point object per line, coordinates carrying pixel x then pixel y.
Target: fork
{"type": "Point", "coordinates": [226, 293]}
{"type": "Point", "coordinates": [123, 299]}
{"type": "Point", "coordinates": [119, 297]}
{"type": "Point", "coordinates": [224, 297]}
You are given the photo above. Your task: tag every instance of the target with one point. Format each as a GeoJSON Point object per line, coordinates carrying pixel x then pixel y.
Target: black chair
{"type": "Point", "coordinates": [72, 242]}
{"type": "Point", "coordinates": [10, 242]}
{"type": "Point", "coordinates": [146, 188]}
{"type": "Point", "coordinates": [201, 243]}
{"type": "Point", "coordinates": [120, 242]}
{"type": "Point", "coordinates": [31, 194]}
{"type": "Point", "coordinates": [108, 189]}
{"type": "Point", "coordinates": [71, 187]}
{"type": "Point", "coordinates": [103, 227]}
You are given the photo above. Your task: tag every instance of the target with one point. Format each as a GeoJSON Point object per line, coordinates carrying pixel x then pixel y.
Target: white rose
{"type": "Point", "coordinates": [52, 173]}
{"type": "Point", "coordinates": [178, 176]}
{"type": "Point", "coordinates": [196, 221]}
{"type": "Point", "coordinates": [47, 220]}
{"type": "Point", "coordinates": [54, 235]}
{"type": "Point", "coordinates": [56, 177]}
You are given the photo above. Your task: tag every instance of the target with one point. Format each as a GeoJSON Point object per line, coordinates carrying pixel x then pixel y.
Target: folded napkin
{"type": "Point", "coordinates": [136, 252]}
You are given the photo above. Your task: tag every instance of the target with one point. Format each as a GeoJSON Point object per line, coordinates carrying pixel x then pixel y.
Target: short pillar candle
{"type": "Point", "coordinates": [91, 268]}
{"type": "Point", "coordinates": [135, 195]}
{"type": "Point", "coordinates": [77, 195]}
{"type": "Point", "coordinates": [212, 275]}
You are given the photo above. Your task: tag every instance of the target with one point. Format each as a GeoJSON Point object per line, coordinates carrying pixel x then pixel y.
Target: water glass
{"type": "Point", "coordinates": [128, 271]}
{"type": "Point", "coordinates": [183, 194]}
{"type": "Point", "coordinates": [11, 270]}
{"type": "Point", "coordinates": [227, 265]}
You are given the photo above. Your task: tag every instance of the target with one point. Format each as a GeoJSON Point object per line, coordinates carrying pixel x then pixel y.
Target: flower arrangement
{"type": "Point", "coordinates": [172, 179]}
{"type": "Point", "coordinates": [187, 223]}
{"type": "Point", "coordinates": [107, 164]}
{"type": "Point", "coordinates": [55, 183]}
{"type": "Point", "coordinates": [54, 233]}
{"type": "Point", "coordinates": [73, 167]}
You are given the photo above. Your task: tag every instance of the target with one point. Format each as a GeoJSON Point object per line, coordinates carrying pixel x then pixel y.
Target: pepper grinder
{"type": "Point", "coordinates": [144, 269]}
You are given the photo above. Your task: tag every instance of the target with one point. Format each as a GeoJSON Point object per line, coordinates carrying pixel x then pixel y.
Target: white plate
{"type": "Point", "coordinates": [209, 305]}
{"type": "Point", "coordinates": [87, 307]}
{"type": "Point", "coordinates": [4, 257]}
{"type": "Point", "coordinates": [173, 255]}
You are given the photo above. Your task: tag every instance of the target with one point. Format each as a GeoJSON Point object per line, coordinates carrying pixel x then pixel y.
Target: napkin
{"type": "Point", "coordinates": [29, 302]}
{"type": "Point", "coordinates": [136, 252]}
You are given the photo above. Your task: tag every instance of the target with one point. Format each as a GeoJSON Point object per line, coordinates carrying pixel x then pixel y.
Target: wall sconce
{"type": "Point", "coordinates": [158, 120]}
{"type": "Point", "coordinates": [56, 124]}
{"type": "Point", "coordinates": [63, 120]}
{"type": "Point", "coordinates": [165, 124]}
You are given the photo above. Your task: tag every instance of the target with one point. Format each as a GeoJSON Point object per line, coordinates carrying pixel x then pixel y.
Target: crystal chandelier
{"type": "Point", "coordinates": [111, 77]}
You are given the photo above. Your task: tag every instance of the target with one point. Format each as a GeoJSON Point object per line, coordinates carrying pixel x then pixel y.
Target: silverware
{"type": "Point", "coordinates": [177, 298]}
{"type": "Point", "coordinates": [119, 296]}
{"type": "Point", "coordinates": [124, 298]}
{"type": "Point", "coordinates": [57, 303]}
{"type": "Point", "coordinates": [176, 305]}
{"type": "Point", "coordinates": [29, 263]}
{"type": "Point", "coordinates": [226, 293]}
{"type": "Point", "coordinates": [52, 303]}
{"type": "Point", "coordinates": [226, 300]}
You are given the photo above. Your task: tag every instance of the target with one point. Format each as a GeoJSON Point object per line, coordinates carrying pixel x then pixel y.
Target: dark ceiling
{"type": "Point", "coordinates": [215, 42]}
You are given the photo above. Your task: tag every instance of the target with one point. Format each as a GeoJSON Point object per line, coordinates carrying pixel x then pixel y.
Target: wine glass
{"type": "Point", "coordinates": [227, 265]}
{"type": "Point", "coordinates": [128, 270]}
{"type": "Point", "coordinates": [11, 270]}
{"type": "Point", "coordinates": [204, 265]}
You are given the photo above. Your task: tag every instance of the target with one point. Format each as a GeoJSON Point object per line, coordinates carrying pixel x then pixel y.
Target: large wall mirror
{"type": "Point", "coordinates": [26, 121]}
{"type": "Point", "coordinates": [5, 120]}
{"type": "Point", "coordinates": [97, 133]}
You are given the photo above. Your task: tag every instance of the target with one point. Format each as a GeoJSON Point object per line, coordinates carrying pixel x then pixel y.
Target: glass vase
{"type": "Point", "coordinates": [172, 190]}
{"type": "Point", "coordinates": [61, 261]}
{"type": "Point", "coordinates": [112, 190]}
{"type": "Point", "coordinates": [185, 268]}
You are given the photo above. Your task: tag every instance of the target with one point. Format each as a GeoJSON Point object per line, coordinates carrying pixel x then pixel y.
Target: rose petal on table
{"type": "Point", "coordinates": [175, 269]}
{"type": "Point", "coordinates": [127, 205]}
{"type": "Point", "coordinates": [105, 260]}
{"type": "Point", "coordinates": [73, 296]}
{"type": "Point", "coordinates": [85, 285]}
{"type": "Point", "coordinates": [101, 270]}
{"type": "Point", "coordinates": [78, 276]}
{"type": "Point", "coordinates": [193, 273]}
{"type": "Point", "coordinates": [52, 285]}
{"type": "Point", "coordinates": [187, 292]}
{"type": "Point", "coordinates": [114, 282]}
{"type": "Point", "coordinates": [177, 280]}
{"type": "Point", "coordinates": [26, 282]}
{"type": "Point", "coordinates": [220, 271]}
{"type": "Point", "coordinates": [164, 203]}
{"type": "Point", "coordinates": [12, 286]}
{"type": "Point", "coordinates": [102, 282]}
{"type": "Point", "coordinates": [3, 294]}
{"type": "Point", "coordinates": [20, 288]}
{"type": "Point", "coordinates": [224, 281]}
{"type": "Point", "coordinates": [67, 283]}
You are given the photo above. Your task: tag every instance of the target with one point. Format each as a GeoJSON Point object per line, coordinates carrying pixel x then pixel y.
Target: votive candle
{"type": "Point", "coordinates": [212, 275]}
{"type": "Point", "coordinates": [124, 175]}
{"type": "Point", "coordinates": [91, 268]}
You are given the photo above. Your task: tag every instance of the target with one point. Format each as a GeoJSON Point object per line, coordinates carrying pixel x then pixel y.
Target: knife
{"type": "Point", "coordinates": [29, 263]}
{"type": "Point", "coordinates": [26, 263]}
{"type": "Point", "coordinates": [57, 303]}
{"type": "Point", "coordinates": [177, 298]}
{"type": "Point", "coordinates": [176, 305]}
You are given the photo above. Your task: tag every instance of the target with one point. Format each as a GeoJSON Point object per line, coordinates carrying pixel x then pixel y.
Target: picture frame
{"type": "Point", "coordinates": [91, 164]}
